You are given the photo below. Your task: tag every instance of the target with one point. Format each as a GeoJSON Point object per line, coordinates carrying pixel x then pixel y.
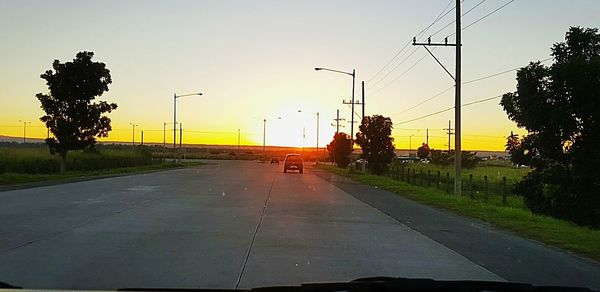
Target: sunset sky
{"type": "Point", "coordinates": [255, 59]}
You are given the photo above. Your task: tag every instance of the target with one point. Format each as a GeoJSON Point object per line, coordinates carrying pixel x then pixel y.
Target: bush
{"type": "Point", "coordinates": [444, 158]}
{"type": "Point", "coordinates": [556, 191]}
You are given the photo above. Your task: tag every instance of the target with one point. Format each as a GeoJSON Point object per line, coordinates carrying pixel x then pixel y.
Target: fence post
{"type": "Point", "coordinates": [421, 177]}
{"type": "Point", "coordinates": [447, 182]}
{"type": "Point", "coordinates": [402, 173]}
{"type": "Point", "coordinates": [428, 178]}
{"type": "Point", "coordinates": [408, 174]}
{"type": "Point", "coordinates": [437, 180]}
{"type": "Point", "coordinates": [471, 185]}
{"type": "Point", "coordinates": [485, 188]}
{"type": "Point", "coordinates": [504, 190]}
{"type": "Point", "coordinates": [414, 177]}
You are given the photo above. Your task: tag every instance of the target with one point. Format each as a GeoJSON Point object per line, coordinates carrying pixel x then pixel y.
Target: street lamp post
{"type": "Point", "coordinates": [265, 133]}
{"type": "Point", "coordinates": [353, 74]}
{"type": "Point", "coordinates": [25, 129]}
{"type": "Point", "coordinates": [317, 157]}
{"type": "Point", "coordinates": [165, 134]}
{"type": "Point", "coordinates": [133, 134]}
{"type": "Point", "coordinates": [175, 97]}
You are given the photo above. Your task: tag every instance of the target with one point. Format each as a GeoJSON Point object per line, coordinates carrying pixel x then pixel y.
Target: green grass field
{"type": "Point", "coordinates": [33, 163]}
{"type": "Point", "coordinates": [494, 170]}
{"type": "Point", "coordinates": [514, 216]}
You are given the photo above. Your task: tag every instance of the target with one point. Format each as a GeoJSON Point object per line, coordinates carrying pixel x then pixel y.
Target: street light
{"type": "Point", "coordinates": [265, 132]}
{"type": "Point", "coordinates": [165, 134]}
{"type": "Point", "coordinates": [133, 133]}
{"type": "Point", "coordinates": [317, 157]}
{"type": "Point", "coordinates": [410, 143]}
{"type": "Point", "coordinates": [24, 129]}
{"type": "Point", "coordinates": [175, 97]}
{"type": "Point", "coordinates": [353, 74]}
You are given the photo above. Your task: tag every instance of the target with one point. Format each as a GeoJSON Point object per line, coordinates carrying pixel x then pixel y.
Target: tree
{"type": "Point", "coordinates": [72, 116]}
{"type": "Point", "coordinates": [340, 149]}
{"type": "Point", "coordinates": [558, 105]}
{"type": "Point", "coordinates": [375, 139]}
{"type": "Point", "coordinates": [423, 151]}
{"type": "Point", "coordinates": [444, 158]}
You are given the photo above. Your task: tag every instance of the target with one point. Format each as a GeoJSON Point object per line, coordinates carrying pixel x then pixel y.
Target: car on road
{"type": "Point", "coordinates": [274, 160]}
{"type": "Point", "coordinates": [293, 162]}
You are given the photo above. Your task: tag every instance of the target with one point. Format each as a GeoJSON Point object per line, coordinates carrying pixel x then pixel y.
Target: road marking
{"type": "Point", "coordinates": [262, 213]}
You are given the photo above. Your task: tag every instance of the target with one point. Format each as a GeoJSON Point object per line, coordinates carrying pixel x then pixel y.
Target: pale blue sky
{"type": "Point", "coordinates": [255, 59]}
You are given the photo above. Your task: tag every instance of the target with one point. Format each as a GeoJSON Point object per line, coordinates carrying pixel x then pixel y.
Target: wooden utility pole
{"type": "Point", "coordinates": [457, 107]}
{"type": "Point", "coordinates": [450, 133]}
{"type": "Point", "coordinates": [457, 93]}
{"type": "Point", "coordinates": [363, 99]}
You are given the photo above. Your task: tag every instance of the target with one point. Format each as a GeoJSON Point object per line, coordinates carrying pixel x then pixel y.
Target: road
{"type": "Point", "coordinates": [243, 224]}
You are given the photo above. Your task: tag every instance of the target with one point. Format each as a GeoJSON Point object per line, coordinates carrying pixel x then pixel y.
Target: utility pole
{"type": "Point", "coordinates": [363, 99]}
{"type": "Point", "coordinates": [174, 121]}
{"type": "Point", "coordinates": [352, 123]}
{"type": "Point", "coordinates": [337, 122]}
{"type": "Point", "coordinates": [449, 129]}
{"type": "Point", "coordinates": [238, 139]}
{"type": "Point", "coordinates": [164, 135]}
{"type": "Point", "coordinates": [264, 133]}
{"type": "Point", "coordinates": [180, 134]}
{"type": "Point", "coordinates": [427, 137]}
{"type": "Point", "coordinates": [133, 134]}
{"type": "Point", "coordinates": [457, 106]}
{"type": "Point", "coordinates": [142, 138]}
{"type": "Point", "coordinates": [457, 93]}
{"type": "Point", "coordinates": [317, 158]}
{"type": "Point", "coordinates": [24, 130]}
{"type": "Point", "coordinates": [303, 138]}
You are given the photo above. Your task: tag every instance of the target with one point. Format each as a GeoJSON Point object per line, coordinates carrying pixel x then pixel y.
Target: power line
{"type": "Point", "coordinates": [485, 16]}
{"type": "Point", "coordinates": [424, 101]}
{"type": "Point", "coordinates": [395, 67]}
{"type": "Point", "coordinates": [438, 18]}
{"type": "Point", "coordinates": [400, 75]}
{"type": "Point", "coordinates": [466, 82]}
{"type": "Point", "coordinates": [450, 108]}
{"type": "Point", "coordinates": [454, 21]}
{"type": "Point", "coordinates": [500, 73]}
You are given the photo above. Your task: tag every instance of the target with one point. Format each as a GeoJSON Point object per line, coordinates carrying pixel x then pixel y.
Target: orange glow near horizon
{"type": "Point", "coordinates": [279, 133]}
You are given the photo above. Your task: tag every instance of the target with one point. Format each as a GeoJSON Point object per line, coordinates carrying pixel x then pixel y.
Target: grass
{"type": "Point", "coordinates": [28, 163]}
{"type": "Point", "coordinates": [494, 170]}
{"type": "Point", "coordinates": [8, 179]}
{"type": "Point", "coordinates": [514, 217]}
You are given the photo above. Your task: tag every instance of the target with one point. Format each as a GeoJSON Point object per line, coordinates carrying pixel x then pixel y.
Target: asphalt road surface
{"type": "Point", "coordinates": [244, 224]}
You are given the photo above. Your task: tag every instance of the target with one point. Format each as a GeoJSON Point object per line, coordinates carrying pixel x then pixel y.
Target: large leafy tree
{"type": "Point", "coordinates": [340, 149]}
{"type": "Point", "coordinates": [559, 105]}
{"type": "Point", "coordinates": [375, 139]}
{"type": "Point", "coordinates": [423, 151]}
{"type": "Point", "coordinates": [72, 115]}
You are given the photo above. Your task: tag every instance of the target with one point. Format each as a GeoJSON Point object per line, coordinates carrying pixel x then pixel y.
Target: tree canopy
{"type": "Point", "coordinates": [375, 139]}
{"type": "Point", "coordinates": [559, 105]}
{"type": "Point", "coordinates": [72, 116]}
{"type": "Point", "coordinates": [340, 149]}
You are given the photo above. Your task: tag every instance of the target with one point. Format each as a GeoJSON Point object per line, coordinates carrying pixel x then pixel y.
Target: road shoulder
{"type": "Point", "coordinates": [503, 253]}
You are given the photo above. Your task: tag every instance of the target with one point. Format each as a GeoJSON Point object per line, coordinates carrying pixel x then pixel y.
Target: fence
{"type": "Point", "coordinates": [480, 188]}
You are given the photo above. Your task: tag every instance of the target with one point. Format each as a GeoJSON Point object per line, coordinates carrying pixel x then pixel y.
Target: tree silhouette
{"type": "Point", "coordinates": [340, 148]}
{"type": "Point", "coordinates": [558, 105]}
{"type": "Point", "coordinates": [72, 116]}
{"type": "Point", "coordinates": [423, 151]}
{"type": "Point", "coordinates": [374, 137]}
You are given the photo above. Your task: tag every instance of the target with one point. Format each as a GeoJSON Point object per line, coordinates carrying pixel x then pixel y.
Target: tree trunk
{"type": "Point", "coordinates": [63, 162]}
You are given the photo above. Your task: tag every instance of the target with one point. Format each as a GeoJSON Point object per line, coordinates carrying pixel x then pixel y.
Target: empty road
{"type": "Point", "coordinates": [243, 224]}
